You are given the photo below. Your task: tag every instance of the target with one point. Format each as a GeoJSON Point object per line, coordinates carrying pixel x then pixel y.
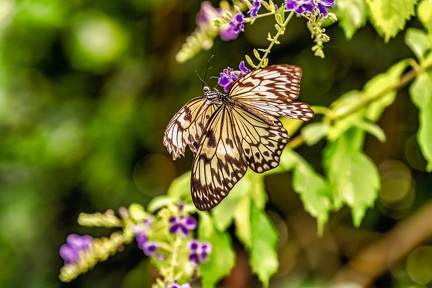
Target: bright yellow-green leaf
{"type": "Point", "coordinates": [381, 83]}
{"type": "Point", "coordinates": [418, 41]}
{"type": "Point", "coordinates": [353, 176]}
{"type": "Point", "coordinates": [389, 16]}
{"type": "Point", "coordinates": [352, 15]}
{"type": "Point", "coordinates": [313, 189]}
{"type": "Point", "coordinates": [424, 14]}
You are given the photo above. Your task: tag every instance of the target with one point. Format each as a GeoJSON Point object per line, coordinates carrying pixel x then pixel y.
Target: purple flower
{"type": "Point", "coordinates": [199, 251]}
{"type": "Point", "coordinates": [75, 244]}
{"type": "Point", "coordinates": [149, 248]}
{"type": "Point", "coordinates": [324, 5]}
{"type": "Point", "coordinates": [228, 76]}
{"type": "Point", "coordinates": [236, 25]}
{"type": "Point", "coordinates": [300, 6]}
{"type": "Point", "coordinates": [207, 14]}
{"type": "Point", "coordinates": [176, 285]}
{"type": "Point", "coordinates": [307, 6]}
{"type": "Point", "coordinates": [182, 225]}
{"type": "Point", "coordinates": [142, 239]}
{"type": "Point", "coordinates": [256, 5]}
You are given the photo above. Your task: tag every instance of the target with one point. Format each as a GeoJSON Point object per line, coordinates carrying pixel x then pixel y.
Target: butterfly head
{"type": "Point", "coordinates": [212, 95]}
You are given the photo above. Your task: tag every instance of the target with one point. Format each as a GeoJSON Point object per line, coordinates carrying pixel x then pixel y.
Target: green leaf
{"type": "Point", "coordinates": [263, 256]}
{"type": "Point", "coordinates": [160, 202]}
{"type": "Point", "coordinates": [221, 259]}
{"type": "Point", "coordinates": [314, 132]}
{"type": "Point", "coordinates": [372, 129]}
{"type": "Point", "coordinates": [223, 214]}
{"type": "Point", "coordinates": [418, 41]}
{"type": "Point", "coordinates": [424, 14]}
{"type": "Point", "coordinates": [352, 15]}
{"type": "Point", "coordinates": [281, 12]}
{"type": "Point", "coordinates": [243, 222]}
{"type": "Point", "coordinates": [256, 188]}
{"type": "Point", "coordinates": [180, 186]}
{"type": "Point", "coordinates": [342, 104]}
{"type": "Point", "coordinates": [389, 16]}
{"type": "Point", "coordinates": [421, 95]}
{"type": "Point", "coordinates": [353, 176]}
{"type": "Point", "coordinates": [313, 189]}
{"type": "Point", "coordinates": [380, 84]}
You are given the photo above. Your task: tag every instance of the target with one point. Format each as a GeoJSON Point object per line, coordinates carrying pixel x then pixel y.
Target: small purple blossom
{"type": "Point", "coordinates": [75, 244]}
{"type": "Point", "coordinates": [141, 239]}
{"type": "Point", "coordinates": [199, 251]}
{"type": "Point", "coordinates": [308, 6]}
{"type": "Point", "coordinates": [182, 225]}
{"type": "Point", "coordinates": [176, 285]}
{"type": "Point", "coordinates": [236, 25]}
{"type": "Point", "coordinates": [324, 5]}
{"type": "Point", "coordinates": [228, 76]}
{"type": "Point", "coordinates": [149, 248]}
{"type": "Point", "coordinates": [300, 6]}
{"type": "Point", "coordinates": [256, 5]}
{"type": "Point", "coordinates": [207, 14]}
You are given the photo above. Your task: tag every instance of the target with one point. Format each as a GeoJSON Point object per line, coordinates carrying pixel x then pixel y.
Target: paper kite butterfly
{"type": "Point", "coordinates": [229, 132]}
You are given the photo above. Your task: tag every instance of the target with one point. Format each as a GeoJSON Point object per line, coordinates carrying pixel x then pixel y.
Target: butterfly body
{"type": "Point", "coordinates": [228, 133]}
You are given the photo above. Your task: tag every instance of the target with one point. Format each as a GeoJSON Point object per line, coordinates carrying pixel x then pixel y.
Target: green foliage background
{"type": "Point", "coordinates": [86, 90]}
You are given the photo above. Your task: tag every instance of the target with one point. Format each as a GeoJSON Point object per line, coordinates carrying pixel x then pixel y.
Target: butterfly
{"type": "Point", "coordinates": [229, 132]}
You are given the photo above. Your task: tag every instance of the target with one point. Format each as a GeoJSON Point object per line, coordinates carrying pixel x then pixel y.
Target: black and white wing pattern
{"type": "Point", "coordinates": [234, 139]}
{"type": "Point", "coordinates": [187, 126]}
{"type": "Point", "coordinates": [230, 132]}
{"type": "Point", "coordinates": [271, 91]}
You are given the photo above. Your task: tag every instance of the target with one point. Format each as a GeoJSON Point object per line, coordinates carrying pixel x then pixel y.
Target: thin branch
{"type": "Point", "coordinates": [384, 253]}
{"type": "Point", "coordinates": [404, 80]}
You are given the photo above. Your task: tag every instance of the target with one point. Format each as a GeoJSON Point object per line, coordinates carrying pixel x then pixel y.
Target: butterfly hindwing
{"type": "Point", "coordinates": [272, 90]}
{"type": "Point", "coordinates": [187, 126]}
{"type": "Point", "coordinates": [234, 139]}
{"type": "Point", "coordinates": [262, 143]}
{"type": "Point", "coordinates": [218, 163]}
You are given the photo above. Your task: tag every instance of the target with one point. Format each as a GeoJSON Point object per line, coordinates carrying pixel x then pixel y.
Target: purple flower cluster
{"type": "Point", "coordinates": [182, 225]}
{"type": "Point", "coordinates": [75, 244]}
{"type": "Point", "coordinates": [199, 251]}
{"type": "Point", "coordinates": [308, 6]}
{"type": "Point", "coordinates": [207, 16]}
{"type": "Point", "coordinates": [228, 76]}
{"type": "Point", "coordinates": [236, 25]}
{"type": "Point", "coordinates": [141, 232]}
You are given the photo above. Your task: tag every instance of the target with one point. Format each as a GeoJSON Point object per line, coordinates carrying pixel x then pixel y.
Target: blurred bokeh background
{"type": "Point", "coordinates": [86, 91]}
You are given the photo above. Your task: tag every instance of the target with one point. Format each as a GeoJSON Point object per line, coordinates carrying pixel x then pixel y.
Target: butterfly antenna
{"type": "Point", "coordinates": [205, 74]}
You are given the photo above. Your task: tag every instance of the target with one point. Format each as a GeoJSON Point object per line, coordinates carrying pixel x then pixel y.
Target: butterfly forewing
{"type": "Point", "coordinates": [218, 164]}
{"type": "Point", "coordinates": [272, 90]}
{"type": "Point", "coordinates": [187, 126]}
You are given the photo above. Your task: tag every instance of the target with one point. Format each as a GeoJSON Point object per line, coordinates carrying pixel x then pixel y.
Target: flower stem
{"type": "Point", "coordinates": [280, 32]}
